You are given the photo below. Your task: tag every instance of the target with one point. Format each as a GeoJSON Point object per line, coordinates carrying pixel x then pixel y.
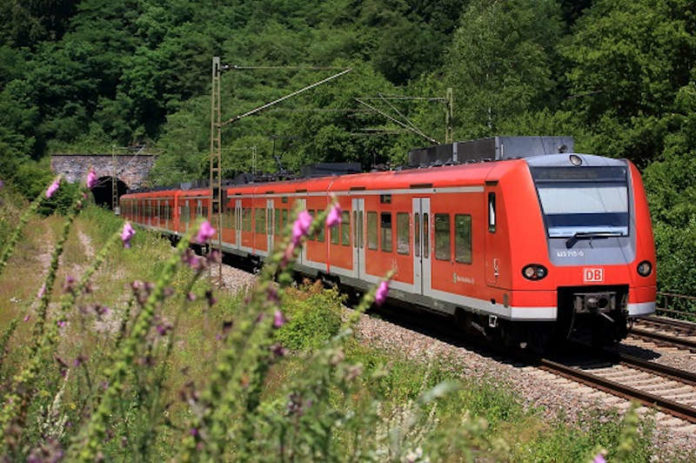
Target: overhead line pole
{"type": "Point", "coordinates": [216, 125]}
{"type": "Point", "coordinates": [216, 160]}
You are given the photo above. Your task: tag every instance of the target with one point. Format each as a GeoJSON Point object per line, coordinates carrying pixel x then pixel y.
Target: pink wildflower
{"type": "Point", "coordinates": [599, 458]}
{"type": "Point", "coordinates": [27, 317]}
{"type": "Point", "coordinates": [334, 217]}
{"type": "Point", "coordinates": [381, 293]}
{"type": "Point", "coordinates": [205, 232]}
{"type": "Point", "coordinates": [60, 323]}
{"type": "Point", "coordinates": [53, 188]}
{"type": "Point", "coordinates": [91, 179]}
{"type": "Point", "coordinates": [301, 227]}
{"type": "Point", "coordinates": [278, 319]}
{"type": "Point", "coordinates": [127, 234]}
{"type": "Point", "coordinates": [42, 291]}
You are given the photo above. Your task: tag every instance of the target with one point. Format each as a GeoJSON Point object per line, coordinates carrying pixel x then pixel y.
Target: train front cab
{"type": "Point", "coordinates": [582, 250]}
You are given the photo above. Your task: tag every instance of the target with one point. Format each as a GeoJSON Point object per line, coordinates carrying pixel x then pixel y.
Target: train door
{"type": "Point", "coordinates": [269, 225]}
{"type": "Point", "coordinates": [302, 258]}
{"type": "Point", "coordinates": [421, 245]}
{"type": "Point", "coordinates": [494, 244]}
{"type": "Point", "coordinates": [358, 241]}
{"type": "Point", "coordinates": [238, 223]}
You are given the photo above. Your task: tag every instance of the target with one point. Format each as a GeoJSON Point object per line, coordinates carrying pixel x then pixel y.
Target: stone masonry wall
{"type": "Point", "coordinates": [131, 170]}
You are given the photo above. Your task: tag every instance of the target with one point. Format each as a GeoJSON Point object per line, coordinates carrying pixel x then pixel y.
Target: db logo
{"type": "Point", "coordinates": [593, 275]}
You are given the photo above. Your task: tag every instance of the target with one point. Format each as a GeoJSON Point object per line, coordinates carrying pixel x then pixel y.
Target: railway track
{"type": "Point", "coordinates": [669, 390]}
{"type": "Point", "coordinates": [665, 332]}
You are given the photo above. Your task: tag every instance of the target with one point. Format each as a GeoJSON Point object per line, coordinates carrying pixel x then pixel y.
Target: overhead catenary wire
{"type": "Point", "coordinates": [396, 121]}
{"type": "Point", "coordinates": [290, 95]}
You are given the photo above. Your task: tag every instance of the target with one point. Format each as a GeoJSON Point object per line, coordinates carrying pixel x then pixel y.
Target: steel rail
{"type": "Point", "coordinates": [660, 337]}
{"type": "Point", "coordinates": [612, 387]}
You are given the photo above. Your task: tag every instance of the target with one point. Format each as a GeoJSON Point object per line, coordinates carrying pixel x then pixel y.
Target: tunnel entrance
{"type": "Point", "coordinates": [102, 191]}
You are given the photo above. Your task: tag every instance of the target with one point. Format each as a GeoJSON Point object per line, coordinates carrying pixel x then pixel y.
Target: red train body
{"type": "Point", "coordinates": [526, 248]}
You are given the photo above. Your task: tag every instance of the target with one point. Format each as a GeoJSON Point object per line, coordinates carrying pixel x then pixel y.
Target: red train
{"type": "Point", "coordinates": [526, 248]}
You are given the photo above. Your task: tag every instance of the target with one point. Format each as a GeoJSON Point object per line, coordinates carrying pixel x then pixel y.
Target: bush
{"type": "Point", "coordinates": [314, 316]}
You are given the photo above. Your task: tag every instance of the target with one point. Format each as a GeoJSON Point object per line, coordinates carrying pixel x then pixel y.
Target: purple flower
{"type": "Point", "coordinates": [127, 234]}
{"type": "Point", "coordinates": [191, 296]}
{"type": "Point", "coordinates": [278, 319]}
{"type": "Point", "coordinates": [163, 328]}
{"type": "Point", "coordinates": [27, 317]}
{"type": "Point", "coordinates": [53, 188]}
{"type": "Point", "coordinates": [205, 232]}
{"type": "Point", "coordinates": [192, 260]}
{"type": "Point", "coordinates": [301, 227]}
{"type": "Point", "coordinates": [334, 217]}
{"type": "Point", "coordinates": [91, 178]}
{"type": "Point", "coordinates": [599, 458]}
{"type": "Point", "coordinates": [60, 323]}
{"type": "Point", "coordinates": [69, 284]}
{"type": "Point", "coordinates": [381, 293]}
{"type": "Point", "coordinates": [278, 350]}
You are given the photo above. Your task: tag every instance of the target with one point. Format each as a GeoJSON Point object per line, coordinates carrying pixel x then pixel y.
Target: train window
{"type": "Point", "coordinates": [462, 238]}
{"type": "Point", "coordinates": [260, 220]}
{"type": "Point", "coordinates": [277, 221]}
{"type": "Point", "coordinates": [402, 233]}
{"type": "Point", "coordinates": [386, 227]}
{"type": "Point", "coordinates": [204, 211]}
{"type": "Point", "coordinates": [312, 236]}
{"type": "Point", "coordinates": [246, 218]}
{"type": "Point", "coordinates": [385, 199]}
{"type": "Point", "coordinates": [335, 232]}
{"type": "Point", "coordinates": [360, 229]}
{"type": "Point", "coordinates": [355, 228]}
{"type": "Point", "coordinates": [345, 228]}
{"type": "Point", "coordinates": [442, 237]}
{"type": "Point", "coordinates": [321, 235]}
{"type": "Point", "coordinates": [491, 212]}
{"type": "Point", "coordinates": [426, 236]}
{"type": "Point", "coordinates": [372, 230]}
{"type": "Point", "coordinates": [416, 234]}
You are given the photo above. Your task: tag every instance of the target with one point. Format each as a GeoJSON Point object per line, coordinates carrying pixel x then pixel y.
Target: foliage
{"type": "Point", "coordinates": [87, 75]}
{"type": "Point", "coordinates": [314, 317]}
{"type": "Point", "coordinates": [111, 383]}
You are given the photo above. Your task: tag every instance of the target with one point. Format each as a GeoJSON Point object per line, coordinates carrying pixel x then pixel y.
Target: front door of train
{"type": "Point", "coordinates": [421, 245]}
{"type": "Point", "coordinates": [237, 223]}
{"type": "Point", "coordinates": [358, 237]}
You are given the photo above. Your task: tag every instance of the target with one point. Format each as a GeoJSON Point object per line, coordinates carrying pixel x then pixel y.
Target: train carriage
{"type": "Point", "coordinates": [526, 248]}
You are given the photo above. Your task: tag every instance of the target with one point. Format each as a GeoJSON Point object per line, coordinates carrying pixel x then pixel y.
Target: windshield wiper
{"type": "Point", "coordinates": [589, 235]}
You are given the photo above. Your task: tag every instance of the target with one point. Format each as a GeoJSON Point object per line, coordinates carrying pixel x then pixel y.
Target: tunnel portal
{"type": "Point", "coordinates": [102, 192]}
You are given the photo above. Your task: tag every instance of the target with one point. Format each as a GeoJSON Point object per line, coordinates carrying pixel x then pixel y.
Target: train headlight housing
{"type": "Point", "coordinates": [534, 272]}
{"type": "Point", "coordinates": [644, 268]}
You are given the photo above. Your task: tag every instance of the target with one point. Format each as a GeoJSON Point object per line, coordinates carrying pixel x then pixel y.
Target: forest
{"type": "Point", "coordinates": [81, 76]}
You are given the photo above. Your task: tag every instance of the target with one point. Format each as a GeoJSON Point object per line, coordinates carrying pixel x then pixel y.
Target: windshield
{"type": "Point", "coordinates": [583, 200]}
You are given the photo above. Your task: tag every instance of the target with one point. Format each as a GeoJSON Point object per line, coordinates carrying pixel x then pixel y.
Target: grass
{"type": "Point", "coordinates": [329, 398]}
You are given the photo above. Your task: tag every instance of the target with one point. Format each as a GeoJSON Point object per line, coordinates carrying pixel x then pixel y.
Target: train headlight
{"type": "Point", "coordinates": [534, 272]}
{"type": "Point", "coordinates": [644, 268]}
